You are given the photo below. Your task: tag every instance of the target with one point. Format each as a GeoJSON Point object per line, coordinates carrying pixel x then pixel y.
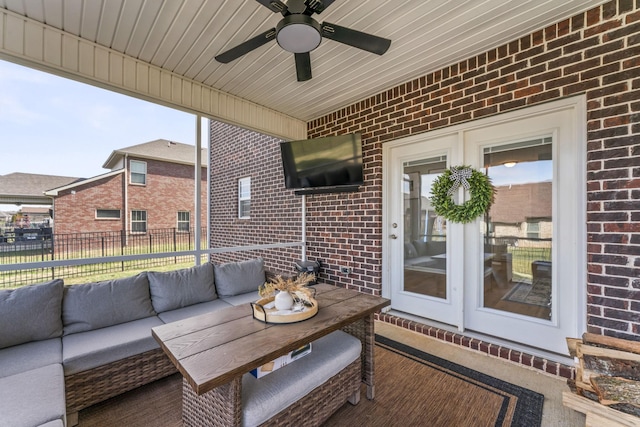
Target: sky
{"type": "Point", "coordinates": [56, 126]}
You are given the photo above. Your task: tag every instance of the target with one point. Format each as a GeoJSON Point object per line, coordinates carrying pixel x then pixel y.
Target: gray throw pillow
{"type": "Point", "coordinates": [181, 288]}
{"type": "Point", "coordinates": [98, 305]}
{"type": "Point", "coordinates": [410, 251]}
{"type": "Point", "coordinates": [237, 278]}
{"type": "Point", "coordinates": [31, 313]}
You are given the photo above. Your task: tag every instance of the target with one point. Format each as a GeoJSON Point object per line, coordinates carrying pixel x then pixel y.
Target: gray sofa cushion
{"type": "Point", "coordinates": [87, 350]}
{"type": "Point", "coordinates": [56, 423]}
{"type": "Point", "coordinates": [243, 298]}
{"type": "Point", "coordinates": [31, 313]}
{"type": "Point", "coordinates": [180, 288]}
{"type": "Point", "coordinates": [265, 397]}
{"type": "Point", "coordinates": [410, 251]}
{"type": "Point", "coordinates": [236, 278]}
{"type": "Point", "coordinates": [430, 248]}
{"type": "Point", "coordinates": [33, 397]}
{"type": "Point", "coordinates": [421, 247]}
{"type": "Point", "coordinates": [98, 305]}
{"type": "Point", "coordinates": [192, 310]}
{"type": "Point", "coordinates": [31, 355]}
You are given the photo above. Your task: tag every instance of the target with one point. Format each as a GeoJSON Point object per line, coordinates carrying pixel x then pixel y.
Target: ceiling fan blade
{"type": "Point", "coordinates": [318, 6]}
{"type": "Point", "coordinates": [274, 5]}
{"type": "Point", "coordinates": [303, 66]}
{"type": "Point", "coordinates": [364, 41]}
{"type": "Point", "coordinates": [246, 47]}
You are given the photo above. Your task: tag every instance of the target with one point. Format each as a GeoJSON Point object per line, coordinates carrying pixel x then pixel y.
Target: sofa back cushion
{"type": "Point", "coordinates": [31, 313]}
{"type": "Point", "coordinates": [431, 248]}
{"type": "Point", "coordinates": [410, 251]}
{"type": "Point", "coordinates": [181, 288]}
{"type": "Point", "coordinates": [98, 305]}
{"type": "Point", "coordinates": [235, 278]}
{"type": "Point", "coordinates": [436, 248]}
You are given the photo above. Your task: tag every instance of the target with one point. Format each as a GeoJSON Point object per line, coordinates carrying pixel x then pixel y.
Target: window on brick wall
{"type": "Point", "coordinates": [138, 221]}
{"type": "Point", "coordinates": [138, 172]}
{"type": "Point", "coordinates": [244, 197]}
{"type": "Point", "coordinates": [533, 230]}
{"type": "Point", "coordinates": [107, 213]}
{"type": "Point", "coordinates": [184, 221]}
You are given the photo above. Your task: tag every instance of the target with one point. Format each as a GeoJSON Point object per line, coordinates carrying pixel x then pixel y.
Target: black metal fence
{"type": "Point", "coordinates": [58, 247]}
{"type": "Point", "coordinates": [522, 253]}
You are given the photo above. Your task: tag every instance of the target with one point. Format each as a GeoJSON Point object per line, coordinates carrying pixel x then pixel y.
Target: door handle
{"type": "Point", "coordinates": [393, 236]}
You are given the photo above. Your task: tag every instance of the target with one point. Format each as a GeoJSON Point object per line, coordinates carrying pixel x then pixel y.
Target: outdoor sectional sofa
{"type": "Point", "coordinates": [64, 348]}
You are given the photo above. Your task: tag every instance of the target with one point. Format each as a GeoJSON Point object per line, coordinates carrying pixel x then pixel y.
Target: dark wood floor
{"type": "Point", "coordinates": [435, 285]}
{"type": "Point", "coordinates": [425, 283]}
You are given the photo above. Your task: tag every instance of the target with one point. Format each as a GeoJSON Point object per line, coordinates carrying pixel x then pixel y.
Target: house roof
{"type": "Point", "coordinates": [29, 188]}
{"type": "Point", "coordinates": [55, 191]}
{"type": "Point", "coordinates": [32, 210]}
{"type": "Point", "coordinates": [518, 203]}
{"type": "Point", "coordinates": [160, 149]}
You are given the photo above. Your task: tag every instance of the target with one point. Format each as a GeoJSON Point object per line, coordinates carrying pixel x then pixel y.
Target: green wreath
{"type": "Point", "coordinates": [480, 189]}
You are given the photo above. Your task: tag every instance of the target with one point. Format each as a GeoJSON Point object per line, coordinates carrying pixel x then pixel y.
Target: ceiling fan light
{"type": "Point", "coordinates": [298, 33]}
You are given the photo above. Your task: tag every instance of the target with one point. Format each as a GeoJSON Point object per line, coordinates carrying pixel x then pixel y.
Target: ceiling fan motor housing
{"type": "Point", "coordinates": [298, 33]}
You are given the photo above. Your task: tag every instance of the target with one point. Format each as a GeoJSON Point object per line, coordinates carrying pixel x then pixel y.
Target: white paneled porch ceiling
{"type": "Point", "coordinates": [183, 36]}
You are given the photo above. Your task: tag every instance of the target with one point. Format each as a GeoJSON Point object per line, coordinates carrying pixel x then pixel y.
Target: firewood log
{"type": "Point", "coordinates": [612, 390]}
{"type": "Point", "coordinates": [611, 342]}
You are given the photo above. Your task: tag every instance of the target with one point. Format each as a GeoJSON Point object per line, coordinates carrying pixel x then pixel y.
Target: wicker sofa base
{"type": "Point", "coordinates": [222, 406]}
{"type": "Point", "coordinates": [87, 388]}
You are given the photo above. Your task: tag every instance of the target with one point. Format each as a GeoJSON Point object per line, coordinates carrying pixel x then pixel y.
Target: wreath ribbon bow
{"type": "Point", "coordinates": [459, 177]}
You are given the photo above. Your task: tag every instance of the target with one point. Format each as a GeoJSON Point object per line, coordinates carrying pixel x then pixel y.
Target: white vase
{"type": "Point", "coordinates": [283, 301]}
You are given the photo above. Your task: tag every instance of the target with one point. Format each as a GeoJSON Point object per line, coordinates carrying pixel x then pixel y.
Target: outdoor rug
{"type": "Point", "coordinates": [536, 293]}
{"type": "Point", "coordinates": [413, 388]}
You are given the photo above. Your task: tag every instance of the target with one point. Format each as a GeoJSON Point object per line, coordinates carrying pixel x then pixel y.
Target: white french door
{"type": "Point", "coordinates": [517, 273]}
{"type": "Point", "coordinates": [419, 256]}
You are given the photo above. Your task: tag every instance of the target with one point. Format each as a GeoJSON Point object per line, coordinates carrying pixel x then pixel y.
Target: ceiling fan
{"type": "Point", "coordinates": [298, 33]}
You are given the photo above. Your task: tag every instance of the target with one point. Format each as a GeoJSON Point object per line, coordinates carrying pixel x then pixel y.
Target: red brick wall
{"type": "Point", "coordinates": [275, 212]}
{"type": "Point", "coordinates": [596, 53]}
{"type": "Point", "coordinates": [169, 189]}
{"type": "Point", "coordinates": [75, 210]}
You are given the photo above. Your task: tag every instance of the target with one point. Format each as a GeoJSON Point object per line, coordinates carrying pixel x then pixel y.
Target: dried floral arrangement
{"type": "Point", "coordinates": [297, 287]}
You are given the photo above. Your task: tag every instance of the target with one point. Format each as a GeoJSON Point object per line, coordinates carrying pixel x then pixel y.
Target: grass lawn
{"type": "Point", "coordinates": [521, 259]}
{"type": "Point", "coordinates": [118, 274]}
{"type": "Point", "coordinates": [91, 273]}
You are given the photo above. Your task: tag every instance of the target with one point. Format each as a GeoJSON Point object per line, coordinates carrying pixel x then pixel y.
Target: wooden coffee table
{"type": "Point", "coordinates": [214, 350]}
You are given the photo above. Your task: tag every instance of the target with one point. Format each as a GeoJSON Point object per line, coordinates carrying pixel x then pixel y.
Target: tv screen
{"type": "Point", "coordinates": [323, 162]}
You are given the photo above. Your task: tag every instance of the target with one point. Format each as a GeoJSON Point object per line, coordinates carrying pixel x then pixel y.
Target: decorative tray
{"type": "Point", "coordinates": [264, 311]}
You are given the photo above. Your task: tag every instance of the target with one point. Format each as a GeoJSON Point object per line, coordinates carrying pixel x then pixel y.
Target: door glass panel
{"type": "Point", "coordinates": [425, 233]}
{"type": "Point", "coordinates": [518, 229]}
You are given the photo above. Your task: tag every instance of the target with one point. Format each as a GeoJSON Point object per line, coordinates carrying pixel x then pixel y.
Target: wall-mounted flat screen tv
{"type": "Point", "coordinates": [323, 164]}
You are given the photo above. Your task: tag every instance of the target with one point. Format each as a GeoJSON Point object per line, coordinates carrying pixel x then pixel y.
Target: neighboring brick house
{"type": "Point", "coordinates": [526, 212]}
{"type": "Point", "coordinates": [150, 186]}
{"type": "Point", "coordinates": [36, 215]}
{"type": "Point", "coordinates": [595, 54]}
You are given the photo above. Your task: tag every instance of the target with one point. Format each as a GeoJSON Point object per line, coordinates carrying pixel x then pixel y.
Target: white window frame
{"type": "Point", "coordinates": [137, 221]}
{"type": "Point", "coordinates": [133, 165]}
{"type": "Point", "coordinates": [183, 221]}
{"type": "Point", "coordinates": [533, 229]}
{"type": "Point", "coordinates": [244, 196]}
{"type": "Point", "coordinates": [108, 218]}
